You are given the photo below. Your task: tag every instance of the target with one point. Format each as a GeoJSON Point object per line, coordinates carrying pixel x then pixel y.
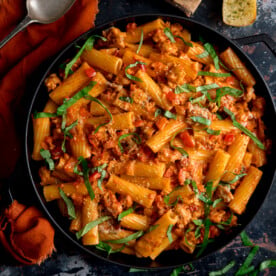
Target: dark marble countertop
{"type": "Point", "coordinates": [68, 260]}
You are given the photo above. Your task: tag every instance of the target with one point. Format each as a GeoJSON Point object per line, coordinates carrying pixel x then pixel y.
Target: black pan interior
{"type": "Point", "coordinates": [171, 258]}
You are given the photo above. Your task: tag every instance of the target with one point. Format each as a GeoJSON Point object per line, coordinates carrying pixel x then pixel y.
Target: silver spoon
{"type": "Point", "coordinates": [40, 11]}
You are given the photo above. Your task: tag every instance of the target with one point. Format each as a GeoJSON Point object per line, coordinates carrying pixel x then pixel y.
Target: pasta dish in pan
{"type": "Point", "coordinates": [152, 141]}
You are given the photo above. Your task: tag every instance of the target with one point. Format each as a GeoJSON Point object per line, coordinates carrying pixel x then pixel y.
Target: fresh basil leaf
{"type": "Point", "coordinates": [228, 221]}
{"type": "Point", "coordinates": [210, 49]}
{"type": "Point", "coordinates": [88, 44]}
{"type": "Point", "coordinates": [195, 187]}
{"type": "Point", "coordinates": [201, 120]}
{"type": "Point", "coordinates": [197, 100]}
{"type": "Point", "coordinates": [91, 225]}
{"type": "Point", "coordinates": [125, 213]}
{"type": "Point", "coordinates": [212, 131]}
{"type": "Point", "coordinates": [76, 170]}
{"type": "Point", "coordinates": [169, 233]}
{"type": "Point", "coordinates": [44, 115]}
{"type": "Point", "coordinates": [129, 238]}
{"type": "Point", "coordinates": [212, 74]}
{"type": "Point", "coordinates": [244, 129]}
{"type": "Point", "coordinates": [107, 248]}
{"type": "Point", "coordinates": [187, 88]}
{"type": "Point", "coordinates": [66, 132]}
{"type": "Point", "coordinates": [131, 77]}
{"type": "Point", "coordinates": [207, 224]}
{"type": "Point", "coordinates": [216, 202]}
{"type": "Point", "coordinates": [85, 171]}
{"type": "Point", "coordinates": [204, 199]}
{"type": "Point", "coordinates": [224, 270]}
{"type": "Point", "coordinates": [45, 154]}
{"type": "Point", "coordinates": [133, 270]}
{"type": "Point", "coordinates": [136, 138]}
{"type": "Point", "coordinates": [185, 237]}
{"type": "Point", "coordinates": [245, 239]}
{"type": "Point", "coordinates": [62, 108]}
{"type": "Point", "coordinates": [169, 34]}
{"type": "Point", "coordinates": [167, 197]}
{"type": "Point", "coordinates": [267, 264]}
{"type": "Point", "coordinates": [203, 54]}
{"type": "Point", "coordinates": [177, 270]}
{"type": "Point", "coordinates": [219, 116]}
{"type": "Point", "coordinates": [126, 99]}
{"type": "Point", "coordinates": [100, 169]}
{"type": "Point", "coordinates": [69, 204]}
{"type": "Point", "coordinates": [184, 41]}
{"type": "Point", "coordinates": [226, 91]}
{"type": "Point", "coordinates": [93, 99]}
{"type": "Point", "coordinates": [140, 43]}
{"type": "Point", "coordinates": [157, 112]}
{"type": "Point", "coordinates": [235, 179]}
{"type": "Point", "coordinates": [244, 268]}
{"type": "Point", "coordinates": [198, 222]}
{"type": "Point", "coordinates": [153, 227]}
{"type": "Point", "coordinates": [169, 115]}
{"type": "Point", "coordinates": [181, 150]}
{"type": "Point", "coordinates": [198, 232]}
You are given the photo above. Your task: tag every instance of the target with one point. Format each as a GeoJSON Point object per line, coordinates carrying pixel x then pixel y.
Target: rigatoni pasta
{"type": "Point", "coordinates": [150, 142]}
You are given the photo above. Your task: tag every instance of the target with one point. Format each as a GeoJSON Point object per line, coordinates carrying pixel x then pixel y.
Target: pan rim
{"type": "Point", "coordinates": [53, 63]}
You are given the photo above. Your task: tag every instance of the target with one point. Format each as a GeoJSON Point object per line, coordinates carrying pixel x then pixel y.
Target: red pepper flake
{"type": "Point", "coordinates": [90, 72]}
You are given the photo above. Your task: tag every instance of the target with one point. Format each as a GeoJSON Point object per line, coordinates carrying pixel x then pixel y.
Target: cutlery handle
{"type": "Point", "coordinates": [21, 26]}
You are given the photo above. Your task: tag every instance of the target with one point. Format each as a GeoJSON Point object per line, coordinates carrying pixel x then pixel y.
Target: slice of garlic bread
{"type": "Point", "coordinates": [239, 13]}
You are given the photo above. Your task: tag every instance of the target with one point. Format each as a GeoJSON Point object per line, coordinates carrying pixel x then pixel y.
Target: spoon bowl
{"type": "Point", "coordinates": [46, 12]}
{"type": "Point", "coordinates": [40, 11]}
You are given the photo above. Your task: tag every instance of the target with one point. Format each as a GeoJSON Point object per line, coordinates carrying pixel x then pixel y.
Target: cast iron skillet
{"type": "Point", "coordinates": [172, 258]}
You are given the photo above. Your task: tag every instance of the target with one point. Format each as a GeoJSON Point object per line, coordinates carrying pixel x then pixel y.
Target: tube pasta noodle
{"type": "Point", "coordinates": [135, 222]}
{"type": "Point", "coordinates": [90, 213]}
{"type": "Point", "coordinates": [133, 36]}
{"type": "Point", "coordinates": [154, 183]}
{"type": "Point", "coordinates": [232, 61]}
{"type": "Point", "coordinates": [103, 61]}
{"type": "Point", "coordinates": [217, 167]}
{"type": "Point", "coordinates": [196, 50]}
{"type": "Point", "coordinates": [147, 245]}
{"type": "Point", "coordinates": [155, 146]}
{"type": "Point", "coordinates": [163, 136]}
{"type": "Point", "coordinates": [245, 190]}
{"type": "Point", "coordinates": [152, 89]}
{"type": "Point", "coordinates": [119, 122]}
{"type": "Point", "coordinates": [146, 169]}
{"type": "Point", "coordinates": [237, 151]}
{"type": "Point", "coordinates": [71, 85]}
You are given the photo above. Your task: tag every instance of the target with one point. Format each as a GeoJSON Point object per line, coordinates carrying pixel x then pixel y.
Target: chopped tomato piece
{"type": "Point", "coordinates": [161, 122]}
{"type": "Point", "coordinates": [171, 96]}
{"type": "Point", "coordinates": [231, 80]}
{"type": "Point", "coordinates": [187, 139]}
{"type": "Point", "coordinates": [90, 72]}
{"type": "Point", "coordinates": [229, 138]}
{"type": "Point", "coordinates": [138, 123]}
{"type": "Point", "coordinates": [94, 176]}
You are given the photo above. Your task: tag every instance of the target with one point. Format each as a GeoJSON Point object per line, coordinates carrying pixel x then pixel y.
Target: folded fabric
{"type": "Point", "coordinates": [22, 55]}
{"type": "Point", "coordinates": [26, 234]}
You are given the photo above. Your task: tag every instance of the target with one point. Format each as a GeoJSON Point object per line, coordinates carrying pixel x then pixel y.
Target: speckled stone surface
{"type": "Point", "coordinates": [68, 260]}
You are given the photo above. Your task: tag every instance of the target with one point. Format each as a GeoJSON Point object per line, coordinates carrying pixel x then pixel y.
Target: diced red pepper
{"type": "Point", "coordinates": [94, 176]}
{"type": "Point", "coordinates": [229, 138]}
{"type": "Point", "coordinates": [171, 96]}
{"type": "Point", "coordinates": [90, 72]}
{"type": "Point", "coordinates": [187, 139]}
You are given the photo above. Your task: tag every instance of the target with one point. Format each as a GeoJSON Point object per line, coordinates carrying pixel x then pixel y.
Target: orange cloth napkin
{"type": "Point", "coordinates": [21, 56]}
{"type": "Point", "coordinates": [26, 234]}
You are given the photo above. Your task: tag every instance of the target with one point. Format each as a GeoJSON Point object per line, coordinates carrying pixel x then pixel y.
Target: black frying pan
{"type": "Point", "coordinates": [168, 259]}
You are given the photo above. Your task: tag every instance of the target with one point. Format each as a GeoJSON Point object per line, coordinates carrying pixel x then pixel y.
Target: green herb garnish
{"type": "Point", "coordinates": [129, 238]}
{"type": "Point", "coordinates": [169, 115]}
{"type": "Point", "coordinates": [244, 129]}
{"type": "Point", "coordinates": [184, 41]}
{"type": "Point", "coordinates": [245, 239]}
{"type": "Point", "coordinates": [45, 154]}
{"type": "Point", "coordinates": [169, 233]}
{"type": "Point", "coordinates": [91, 225]}
{"type": "Point", "coordinates": [181, 150]}
{"type": "Point", "coordinates": [125, 213]}
{"type": "Point", "coordinates": [140, 43]}
{"type": "Point", "coordinates": [44, 115]}
{"type": "Point", "coordinates": [169, 34]}
{"type": "Point", "coordinates": [207, 224]}
{"type": "Point", "coordinates": [69, 204]}
{"type": "Point", "coordinates": [137, 139]}
{"type": "Point", "coordinates": [210, 49]}
{"type": "Point", "coordinates": [157, 112]}
{"type": "Point", "coordinates": [203, 54]}
{"type": "Point", "coordinates": [126, 99]}
{"type": "Point", "coordinates": [100, 169]}
{"type": "Point", "coordinates": [212, 131]}
{"type": "Point", "coordinates": [201, 120]}
{"type": "Point", "coordinates": [67, 133]}
{"type": "Point", "coordinates": [212, 74]}
{"type": "Point", "coordinates": [224, 270]}
{"type": "Point", "coordinates": [107, 248]}
{"type": "Point", "coordinates": [131, 77]}
{"type": "Point", "coordinates": [88, 45]}
{"type": "Point", "coordinates": [85, 171]}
